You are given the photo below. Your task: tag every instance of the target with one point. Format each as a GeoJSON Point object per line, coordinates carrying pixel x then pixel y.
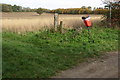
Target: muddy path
{"type": "Point", "coordinates": [104, 67]}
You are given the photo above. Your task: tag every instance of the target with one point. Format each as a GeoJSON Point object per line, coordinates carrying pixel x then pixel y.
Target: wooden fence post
{"type": "Point", "coordinates": [61, 27]}
{"type": "Point", "coordinates": [55, 21]}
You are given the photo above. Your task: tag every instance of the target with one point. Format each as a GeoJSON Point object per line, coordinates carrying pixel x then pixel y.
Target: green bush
{"type": "Point", "coordinates": [39, 11]}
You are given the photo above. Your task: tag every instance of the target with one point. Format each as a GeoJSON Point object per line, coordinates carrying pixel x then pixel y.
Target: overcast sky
{"type": "Point", "coordinates": [53, 4]}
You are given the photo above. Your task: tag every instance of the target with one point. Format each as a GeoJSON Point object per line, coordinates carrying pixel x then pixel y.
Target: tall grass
{"type": "Point", "coordinates": [21, 22]}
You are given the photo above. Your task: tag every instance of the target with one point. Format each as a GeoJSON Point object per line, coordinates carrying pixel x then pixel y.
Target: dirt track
{"type": "Point", "coordinates": [104, 67]}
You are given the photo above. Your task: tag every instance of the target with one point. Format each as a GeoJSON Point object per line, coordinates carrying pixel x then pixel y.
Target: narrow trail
{"type": "Point", "coordinates": [104, 67]}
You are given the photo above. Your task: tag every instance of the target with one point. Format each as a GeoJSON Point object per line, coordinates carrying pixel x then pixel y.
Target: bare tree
{"type": "Point", "coordinates": [109, 4]}
{"type": "Point", "coordinates": [114, 6]}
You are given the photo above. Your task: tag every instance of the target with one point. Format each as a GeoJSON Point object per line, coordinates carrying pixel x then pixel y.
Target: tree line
{"type": "Point", "coordinates": [16, 8]}
{"type": "Point", "coordinates": [82, 10]}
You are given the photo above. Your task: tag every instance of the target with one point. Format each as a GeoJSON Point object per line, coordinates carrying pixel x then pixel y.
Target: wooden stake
{"type": "Point", "coordinates": [55, 21]}
{"type": "Point", "coordinates": [61, 26]}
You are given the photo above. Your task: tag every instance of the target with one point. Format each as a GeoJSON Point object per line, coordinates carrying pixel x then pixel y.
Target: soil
{"type": "Point", "coordinates": [104, 67]}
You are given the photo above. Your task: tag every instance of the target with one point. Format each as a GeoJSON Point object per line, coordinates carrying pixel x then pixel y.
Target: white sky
{"type": "Point", "coordinates": [53, 4]}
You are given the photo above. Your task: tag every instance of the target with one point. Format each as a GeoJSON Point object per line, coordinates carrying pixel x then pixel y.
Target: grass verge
{"type": "Point", "coordinates": [42, 54]}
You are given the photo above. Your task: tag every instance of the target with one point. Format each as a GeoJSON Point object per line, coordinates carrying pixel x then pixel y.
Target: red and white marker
{"type": "Point", "coordinates": [87, 21]}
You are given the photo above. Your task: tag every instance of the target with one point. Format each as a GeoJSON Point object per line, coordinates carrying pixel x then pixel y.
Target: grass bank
{"type": "Point", "coordinates": [44, 53]}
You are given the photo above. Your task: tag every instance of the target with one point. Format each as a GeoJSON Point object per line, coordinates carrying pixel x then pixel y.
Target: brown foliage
{"type": "Point", "coordinates": [115, 16]}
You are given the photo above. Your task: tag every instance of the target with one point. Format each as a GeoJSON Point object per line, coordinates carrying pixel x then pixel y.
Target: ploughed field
{"type": "Point", "coordinates": [31, 21]}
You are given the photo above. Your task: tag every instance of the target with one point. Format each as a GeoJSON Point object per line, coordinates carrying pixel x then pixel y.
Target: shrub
{"type": "Point", "coordinates": [39, 11]}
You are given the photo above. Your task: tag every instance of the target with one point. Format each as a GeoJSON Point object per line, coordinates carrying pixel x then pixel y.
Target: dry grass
{"type": "Point", "coordinates": [30, 21]}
